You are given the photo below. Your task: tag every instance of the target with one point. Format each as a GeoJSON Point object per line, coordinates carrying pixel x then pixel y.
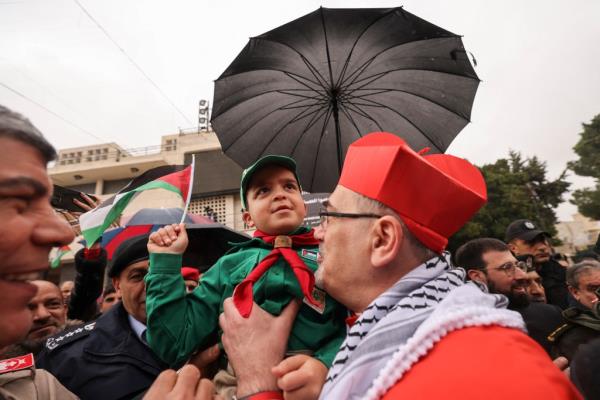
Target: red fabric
{"type": "Point", "coordinates": [93, 253]}
{"type": "Point", "coordinates": [434, 194]}
{"type": "Point", "coordinates": [351, 320]}
{"type": "Point", "coordinates": [126, 233]}
{"type": "Point", "coordinates": [180, 180]}
{"type": "Point", "coordinates": [491, 363]}
{"type": "Point", "coordinates": [272, 395]}
{"type": "Point", "coordinates": [190, 273]}
{"type": "Point", "coordinates": [243, 294]}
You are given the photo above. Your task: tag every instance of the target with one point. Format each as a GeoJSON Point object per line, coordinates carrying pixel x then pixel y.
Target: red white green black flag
{"type": "Point", "coordinates": [175, 178]}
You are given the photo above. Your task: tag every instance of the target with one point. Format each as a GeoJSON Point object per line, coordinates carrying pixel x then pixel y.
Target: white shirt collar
{"type": "Point", "coordinates": [137, 327]}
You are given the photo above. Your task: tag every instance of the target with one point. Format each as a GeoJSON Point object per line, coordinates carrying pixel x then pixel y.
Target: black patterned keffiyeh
{"type": "Point", "coordinates": [392, 321]}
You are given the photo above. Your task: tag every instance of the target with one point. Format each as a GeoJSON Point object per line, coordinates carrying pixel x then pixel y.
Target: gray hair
{"type": "Point", "coordinates": [583, 267]}
{"type": "Point", "coordinates": [15, 126]}
{"type": "Point", "coordinates": [377, 207]}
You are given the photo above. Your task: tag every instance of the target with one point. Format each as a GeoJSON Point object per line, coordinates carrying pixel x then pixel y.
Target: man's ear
{"type": "Point", "coordinates": [477, 275]}
{"type": "Point", "coordinates": [247, 218]}
{"type": "Point", "coordinates": [512, 247]}
{"type": "Point", "coordinates": [116, 284]}
{"type": "Point", "coordinates": [574, 292]}
{"type": "Point", "coordinates": [386, 239]}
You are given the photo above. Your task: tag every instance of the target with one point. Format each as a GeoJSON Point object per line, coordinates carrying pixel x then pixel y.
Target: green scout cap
{"type": "Point", "coordinates": [285, 162]}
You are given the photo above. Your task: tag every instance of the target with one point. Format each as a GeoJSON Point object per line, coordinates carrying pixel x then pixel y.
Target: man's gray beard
{"type": "Point", "coordinates": [319, 277]}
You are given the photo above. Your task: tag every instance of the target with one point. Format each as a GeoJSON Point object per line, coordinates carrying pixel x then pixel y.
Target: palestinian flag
{"type": "Point", "coordinates": [176, 178]}
{"type": "Point", "coordinates": [55, 262]}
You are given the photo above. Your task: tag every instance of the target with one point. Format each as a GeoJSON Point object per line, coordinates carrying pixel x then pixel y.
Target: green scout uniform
{"type": "Point", "coordinates": [179, 324]}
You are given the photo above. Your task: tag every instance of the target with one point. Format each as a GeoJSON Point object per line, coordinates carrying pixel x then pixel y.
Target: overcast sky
{"type": "Point", "coordinates": [539, 62]}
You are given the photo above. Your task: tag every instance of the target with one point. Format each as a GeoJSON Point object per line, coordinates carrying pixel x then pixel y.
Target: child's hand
{"type": "Point", "coordinates": [170, 239]}
{"type": "Point", "coordinates": [300, 377]}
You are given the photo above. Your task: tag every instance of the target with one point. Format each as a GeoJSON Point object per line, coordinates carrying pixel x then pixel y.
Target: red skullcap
{"type": "Point", "coordinates": [190, 273]}
{"type": "Point", "coordinates": [435, 194]}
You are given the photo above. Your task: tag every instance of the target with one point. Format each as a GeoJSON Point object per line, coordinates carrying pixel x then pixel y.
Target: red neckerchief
{"type": "Point", "coordinates": [243, 295]}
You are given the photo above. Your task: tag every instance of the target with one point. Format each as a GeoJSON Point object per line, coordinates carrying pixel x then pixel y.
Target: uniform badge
{"type": "Point", "coordinates": [308, 254]}
{"type": "Point", "coordinates": [17, 363]}
{"type": "Point", "coordinates": [529, 225]}
{"type": "Point", "coordinates": [319, 296]}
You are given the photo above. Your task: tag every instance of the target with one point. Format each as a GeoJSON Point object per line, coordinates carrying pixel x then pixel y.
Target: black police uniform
{"type": "Point", "coordinates": [101, 360]}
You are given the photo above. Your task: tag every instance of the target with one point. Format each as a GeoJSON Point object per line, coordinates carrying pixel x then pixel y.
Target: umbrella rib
{"type": "Point", "coordinates": [364, 97]}
{"type": "Point", "coordinates": [410, 122]}
{"type": "Point", "coordinates": [370, 60]}
{"type": "Point", "coordinates": [381, 74]}
{"type": "Point", "coordinates": [349, 116]}
{"type": "Point", "coordinates": [326, 47]}
{"type": "Point", "coordinates": [308, 126]}
{"type": "Point", "coordinates": [360, 35]}
{"type": "Point", "coordinates": [362, 113]}
{"type": "Point", "coordinates": [293, 76]}
{"type": "Point", "coordinates": [254, 124]}
{"type": "Point", "coordinates": [327, 117]}
{"type": "Point", "coordinates": [320, 78]}
{"type": "Point", "coordinates": [296, 118]}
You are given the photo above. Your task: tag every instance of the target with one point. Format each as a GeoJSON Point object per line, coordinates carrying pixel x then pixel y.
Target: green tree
{"type": "Point", "coordinates": [517, 188]}
{"type": "Point", "coordinates": [587, 148]}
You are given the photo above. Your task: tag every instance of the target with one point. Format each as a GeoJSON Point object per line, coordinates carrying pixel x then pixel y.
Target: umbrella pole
{"type": "Point", "coordinates": [338, 135]}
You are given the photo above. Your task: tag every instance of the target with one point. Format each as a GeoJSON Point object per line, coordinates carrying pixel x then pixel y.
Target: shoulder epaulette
{"type": "Point", "coordinates": [17, 363]}
{"type": "Point", "coordinates": [69, 335]}
{"type": "Point", "coordinates": [558, 332]}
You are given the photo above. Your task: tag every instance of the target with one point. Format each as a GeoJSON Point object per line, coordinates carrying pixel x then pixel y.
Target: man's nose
{"type": "Point", "coordinates": [519, 274]}
{"type": "Point", "coordinates": [52, 230]}
{"type": "Point", "coordinates": [41, 313]}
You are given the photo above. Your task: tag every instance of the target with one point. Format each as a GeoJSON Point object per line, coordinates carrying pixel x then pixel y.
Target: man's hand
{"type": "Point", "coordinates": [171, 239]}
{"type": "Point", "coordinates": [563, 364]}
{"type": "Point", "coordinates": [300, 377]}
{"type": "Point", "coordinates": [256, 344]}
{"type": "Point", "coordinates": [205, 360]}
{"type": "Point", "coordinates": [183, 385]}
{"type": "Point", "coordinates": [89, 204]}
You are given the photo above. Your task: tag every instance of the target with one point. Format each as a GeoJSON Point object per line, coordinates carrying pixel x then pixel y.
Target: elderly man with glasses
{"type": "Point", "coordinates": [419, 330]}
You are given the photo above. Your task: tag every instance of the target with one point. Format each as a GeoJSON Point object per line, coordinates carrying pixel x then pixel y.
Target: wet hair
{"type": "Point", "coordinates": [470, 255]}
{"type": "Point", "coordinates": [574, 272]}
{"type": "Point", "coordinates": [15, 126]}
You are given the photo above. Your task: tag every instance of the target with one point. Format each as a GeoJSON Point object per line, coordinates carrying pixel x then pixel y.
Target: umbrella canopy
{"type": "Point", "coordinates": [313, 86]}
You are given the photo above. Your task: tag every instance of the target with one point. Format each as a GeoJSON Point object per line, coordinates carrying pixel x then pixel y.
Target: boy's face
{"type": "Point", "coordinates": [275, 204]}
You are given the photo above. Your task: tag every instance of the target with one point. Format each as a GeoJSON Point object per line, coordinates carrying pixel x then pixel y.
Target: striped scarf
{"type": "Point", "coordinates": [392, 319]}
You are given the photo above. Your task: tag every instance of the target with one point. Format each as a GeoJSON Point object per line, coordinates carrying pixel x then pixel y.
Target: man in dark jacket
{"type": "Point", "coordinates": [109, 358]}
{"type": "Point", "coordinates": [489, 262]}
{"type": "Point", "coordinates": [524, 237]}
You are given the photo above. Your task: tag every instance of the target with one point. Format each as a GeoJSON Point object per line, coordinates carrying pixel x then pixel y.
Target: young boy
{"type": "Point", "coordinates": [272, 269]}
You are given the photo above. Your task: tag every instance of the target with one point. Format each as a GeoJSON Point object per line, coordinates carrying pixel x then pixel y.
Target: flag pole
{"type": "Point", "coordinates": [189, 195]}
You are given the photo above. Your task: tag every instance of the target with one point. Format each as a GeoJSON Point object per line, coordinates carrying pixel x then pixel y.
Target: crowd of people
{"type": "Point", "coordinates": [367, 305]}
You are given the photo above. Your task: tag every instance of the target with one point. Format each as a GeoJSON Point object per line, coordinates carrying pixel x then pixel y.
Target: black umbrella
{"type": "Point", "coordinates": [313, 86]}
{"type": "Point", "coordinates": [209, 242]}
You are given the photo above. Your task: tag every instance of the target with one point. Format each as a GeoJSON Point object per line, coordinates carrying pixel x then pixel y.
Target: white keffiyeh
{"type": "Point", "coordinates": [403, 323]}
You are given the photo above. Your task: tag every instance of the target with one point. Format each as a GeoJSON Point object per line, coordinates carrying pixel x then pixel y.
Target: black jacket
{"type": "Point", "coordinates": [541, 320]}
{"type": "Point", "coordinates": [102, 359]}
{"type": "Point", "coordinates": [87, 287]}
{"type": "Point", "coordinates": [554, 281]}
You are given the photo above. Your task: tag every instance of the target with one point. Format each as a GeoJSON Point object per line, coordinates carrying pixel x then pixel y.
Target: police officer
{"type": "Point", "coordinates": [109, 358]}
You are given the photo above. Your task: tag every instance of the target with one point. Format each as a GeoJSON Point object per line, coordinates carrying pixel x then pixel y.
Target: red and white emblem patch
{"type": "Point", "coordinates": [17, 363]}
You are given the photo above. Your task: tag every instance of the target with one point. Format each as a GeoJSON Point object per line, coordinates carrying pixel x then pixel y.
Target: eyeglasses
{"type": "Point", "coordinates": [324, 215]}
{"type": "Point", "coordinates": [509, 268]}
